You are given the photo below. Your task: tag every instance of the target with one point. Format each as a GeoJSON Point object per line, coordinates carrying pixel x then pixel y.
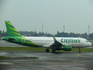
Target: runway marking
{"type": "Point", "coordinates": [84, 56]}
{"type": "Point", "coordinates": [54, 65]}
{"type": "Point", "coordinates": [87, 61]}
{"type": "Point", "coordinates": [49, 63]}
{"type": "Point", "coordinates": [5, 63]}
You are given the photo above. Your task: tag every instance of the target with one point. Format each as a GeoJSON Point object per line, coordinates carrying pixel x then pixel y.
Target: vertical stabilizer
{"type": "Point", "coordinates": [12, 32]}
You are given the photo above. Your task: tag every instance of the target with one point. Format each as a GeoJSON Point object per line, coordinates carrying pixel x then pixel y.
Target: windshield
{"type": "Point", "coordinates": [87, 41]}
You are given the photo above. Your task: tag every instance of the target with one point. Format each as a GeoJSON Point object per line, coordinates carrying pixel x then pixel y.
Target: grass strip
{"type": "Point", "coordinates": [22, 49]}
{"type": "Point", "coordinates": [41, 49]}
{"type": "Point", "coordinates": [25, 58]}
{"type": "Point", "coordinates": [2, 57]}
{"type": "Point", "coordinates": [77, 50]}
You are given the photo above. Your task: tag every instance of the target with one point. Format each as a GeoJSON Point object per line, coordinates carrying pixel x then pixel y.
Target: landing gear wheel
{"type": "Point", "coordinates": [53, 51]}
{"type": "Point", "coordinates": [47, 50]}
{"type": "Point", "coordinates": [79, 50]}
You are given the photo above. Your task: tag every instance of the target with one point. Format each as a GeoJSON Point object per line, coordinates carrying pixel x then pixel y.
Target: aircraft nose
{"type": "Point", "coordinates": [90, 44]}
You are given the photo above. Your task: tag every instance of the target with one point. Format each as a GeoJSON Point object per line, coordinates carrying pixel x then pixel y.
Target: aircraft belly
{"type": "Point", "coordinates": [78, 45]}
{"type": "Point", "coordinates": [75, 45]}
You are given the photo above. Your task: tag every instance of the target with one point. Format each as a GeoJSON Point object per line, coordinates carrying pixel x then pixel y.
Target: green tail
{"type": "Point", "coordinates": [12, 32]}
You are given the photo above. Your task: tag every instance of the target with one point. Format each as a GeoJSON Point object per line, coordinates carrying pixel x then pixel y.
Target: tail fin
{"type": "Point", "coordinates": [12, 32]}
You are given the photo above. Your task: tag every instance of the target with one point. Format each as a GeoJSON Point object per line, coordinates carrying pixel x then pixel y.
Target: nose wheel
{"type": "Point", "coordinates": [79, 50]}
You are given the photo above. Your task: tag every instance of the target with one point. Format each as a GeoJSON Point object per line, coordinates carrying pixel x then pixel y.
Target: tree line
{"type": "Point", "coordinates": [58, 34]}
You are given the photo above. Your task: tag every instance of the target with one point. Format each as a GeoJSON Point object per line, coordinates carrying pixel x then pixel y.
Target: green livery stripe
{"type": "Point", "coordinates": [15, 33]}
{"type": "Point", "coordinates": [11, 30]}
{"type": "Point", "coordinates": [29, 42]}
{"type": "Point", "coordinates": [54, 38]}
{"type": "Point", "coordinates": [8, 22]}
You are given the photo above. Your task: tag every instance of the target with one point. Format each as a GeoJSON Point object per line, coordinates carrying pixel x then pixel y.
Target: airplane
{"type": "Point", "coordinates": [54, 43]}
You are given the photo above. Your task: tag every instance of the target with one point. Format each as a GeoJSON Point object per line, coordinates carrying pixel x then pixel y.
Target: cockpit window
{"type": "Point", "coordinates": [86, 41]}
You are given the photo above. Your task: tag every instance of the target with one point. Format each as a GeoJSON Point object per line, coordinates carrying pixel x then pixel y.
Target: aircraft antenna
{"type": "Point", "coordinates": [63, 28]}
{"type": "Point", "coordinates": [88, 29]}
{"type": "Point", "coordinates": [42, 27]}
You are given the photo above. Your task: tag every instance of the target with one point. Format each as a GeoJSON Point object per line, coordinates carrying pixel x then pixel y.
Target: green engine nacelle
{"type": "Point", "coordinates": [67, 48]}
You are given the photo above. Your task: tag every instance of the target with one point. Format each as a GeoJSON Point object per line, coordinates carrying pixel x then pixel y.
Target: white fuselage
{"type": "Point", "coordinates": [47, 41]}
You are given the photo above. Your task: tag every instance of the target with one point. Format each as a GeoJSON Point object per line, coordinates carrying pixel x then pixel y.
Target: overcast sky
{"type": "Point", "coordinates": [28, 15]}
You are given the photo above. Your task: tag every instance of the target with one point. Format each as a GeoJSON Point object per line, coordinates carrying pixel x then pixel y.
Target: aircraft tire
{"type": "Point", "coordinates": [47, 50]}
{"type": "Point", "coordinates": [79, 51]}
{"type": "Point", "coordinates": [53, 51]}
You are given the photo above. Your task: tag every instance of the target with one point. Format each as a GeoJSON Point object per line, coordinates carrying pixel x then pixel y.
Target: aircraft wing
{"type": "Point", "coordinates": [56, 44]}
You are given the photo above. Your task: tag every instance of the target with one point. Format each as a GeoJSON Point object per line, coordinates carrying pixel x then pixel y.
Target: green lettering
{"type": "Point", "coordinates": [75, 41]}
{"type": "Point", "coordinates": [70, 40]}
{"type": "Point", "coordinates": [62, 40]}
{"type": "Point", "coordinates": [66, 40]}
{"type": "Point", "coordinates": [78, 41]}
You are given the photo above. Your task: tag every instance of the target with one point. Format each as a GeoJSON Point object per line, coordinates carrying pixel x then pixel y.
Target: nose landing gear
{"type": "Point", "coordinates": [79, 50]}
{"type": "Point", "coordinates": [53, 50]}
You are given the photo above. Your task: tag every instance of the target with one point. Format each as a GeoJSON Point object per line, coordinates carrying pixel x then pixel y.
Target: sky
{"type": "Point", "coordinates": [30, 15]}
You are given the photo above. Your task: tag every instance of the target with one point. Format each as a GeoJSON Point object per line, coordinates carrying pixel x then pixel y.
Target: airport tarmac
{"type": "Point", "coordinates": [8, 44]}
{"type": "Point", "coordinates": [46, 61]}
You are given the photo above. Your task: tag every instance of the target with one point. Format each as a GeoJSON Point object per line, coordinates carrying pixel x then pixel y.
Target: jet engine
{"type": "Point", "coordinates": [67, 48]}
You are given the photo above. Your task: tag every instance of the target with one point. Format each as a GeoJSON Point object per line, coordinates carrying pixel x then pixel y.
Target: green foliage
{"type": "Point", "coordinates": [2, 57]}
{"type": "Point", "coordinates": [91, 35]}
{"type": "Point", "coordinates": [64, 34]}
{"type": "Point", "coordinates": [22, 49]}
{"type": "Point", "coordinates": [59, 34]}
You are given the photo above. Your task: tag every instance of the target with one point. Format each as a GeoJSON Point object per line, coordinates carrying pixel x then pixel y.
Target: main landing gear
{"type": "Point", "coordinates": [53, 50]}
{"type": "Point", "coordinates": [79, 50]}
{"type": "Point", "coordinates": [47, 50]}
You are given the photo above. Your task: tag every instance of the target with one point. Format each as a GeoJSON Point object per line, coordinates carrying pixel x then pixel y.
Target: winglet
{"type": "Point", "coordinates": [54, 38]}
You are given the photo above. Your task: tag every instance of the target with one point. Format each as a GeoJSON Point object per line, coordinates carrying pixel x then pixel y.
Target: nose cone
{"type": "Point", "coordinates": [90, 44]}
